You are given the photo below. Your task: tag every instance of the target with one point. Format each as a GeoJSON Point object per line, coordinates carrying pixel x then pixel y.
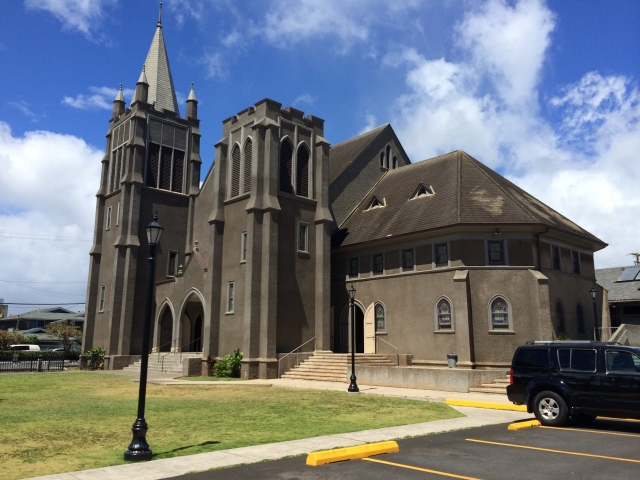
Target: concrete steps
{"type": "Point", "coordinates": [172, 364]}
{"type": "Point", "coordinates": [333, 367]}
{"type": "Point", "coordinates": [498, 386]}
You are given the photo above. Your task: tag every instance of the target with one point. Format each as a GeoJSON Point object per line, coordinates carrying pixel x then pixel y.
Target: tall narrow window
{"type": "Point", "coordinates": [575, 261]}
{"type": "Point", "coordinates": [231, 286]}
{"type": "Point", "coordinates": [499, 314]}
{"type": "Point", "coordinates": [442, 255]}
{"type": "Point", "coordinates": [555, 257]}
{"type": "Point", "coordinates": [407, 259]}
{"type": "Point", "coordinates": [118, 214]}
{"type": "Point", "coordinates": [444, 315]}
{"type": "Point", "coordinates": [166, 151]}
{"type": "Point", "coordinates": [560, 317]}
{"type": "Point", "coordinates": [380, 318]}
{"type": "Point", "coordinates": [303, 234]}
{"type": "Point", "coordinates": [248, 154]}
{"type": "Point", "coordinates": [378, 264]}
{"type": "Point", "coordinates": [286, 157]}
{"type": "Point", "coordinates": [387, 156]}
{"type": "Point", "coordinates": [243, 247]}
{"type": "Point", "coordinates": [580, 319]}
{"type": "Point", "coordinates": [495, 252]}
{"type": "Point", "coordinates": [353, 267]}
{"type": "Point", "coordinates": [235, 171]}
{"type": "Point", "coordinates": [107, 224]}
{"type": "Point", "coordinates": [173, 263]}
{"type": "Point", "coordinates": [103, 289]}
{"type": "Point", "coordinates": [119, 137]}
{"type": "Point", "coordinates": [381, 159]}
{"type": "Point", "coordinates": [395, 162]}
{"type": "Point", "coordinates": [302, 171]}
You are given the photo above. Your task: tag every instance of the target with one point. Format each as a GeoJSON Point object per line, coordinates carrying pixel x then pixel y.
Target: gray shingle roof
{"type": "Point", "coordinates": [618, 292]}
{"type": "Point", "coordinates": [342, 154]}
{"type": "Point", "coordinates": [466, 192]}
{"type": "Point", "coordinates": [158, 73]}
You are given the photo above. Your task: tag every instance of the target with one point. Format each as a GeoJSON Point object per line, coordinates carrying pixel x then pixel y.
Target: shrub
{"type": "Point", "coordinates": [229, 366]}
{"type": "Point", "coordinates": [95, 358]}
{"type": "Point", "coordinates": [11, 338]}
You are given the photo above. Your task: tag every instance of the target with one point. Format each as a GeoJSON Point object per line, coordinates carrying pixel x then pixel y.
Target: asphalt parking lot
{"type": "Point", "coordinates": [604, 448]}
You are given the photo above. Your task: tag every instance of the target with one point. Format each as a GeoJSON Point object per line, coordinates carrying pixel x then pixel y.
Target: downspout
{"type": "Point", "coordinates": [538, 248]}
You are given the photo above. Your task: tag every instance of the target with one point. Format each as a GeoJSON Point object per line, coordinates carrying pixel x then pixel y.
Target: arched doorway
{"type": "Point", "coordinates": [191, 323]}
{"type": "Point", "coordinates": [345, 329]}
{"type": "Point", "coordinates": [166, 326]}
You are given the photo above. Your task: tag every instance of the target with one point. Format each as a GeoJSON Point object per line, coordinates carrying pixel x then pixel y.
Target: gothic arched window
{"type": "Point", "coordinates": [248, 151]}
{"type": "Point", "coordinates": [235, 171]}
{"type": "Point", "coordinates": [500, 314]}
{"type": "Point", "coordinates": [302, 171]}
{"type": "Point", "coordinates": [380, 318]}
{"type": "Point", "coordinates": [286, 157]}
{"type": "Point", "coordinates": [444, 315]}
{"type": "Point", "coordinates": [387, 157]}
{"type": "Point", "coordinates": [381, 159]}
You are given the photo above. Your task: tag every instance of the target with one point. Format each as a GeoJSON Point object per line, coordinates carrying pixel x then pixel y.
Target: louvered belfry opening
{"type": "Point", "coordinates": [286, 158]}
{"type": "Point", "coordinates": [119, 137]}
{"type": "Point", "coordinates": [302, 171]}
{"type": "Point", "coordinates": [165, 155]}
{"type": "Point", "coordinates": [235, 171]}
{"type": "Point", "coordinates": [248, 151]}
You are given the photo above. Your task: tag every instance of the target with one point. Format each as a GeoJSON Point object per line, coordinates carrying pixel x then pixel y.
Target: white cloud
{"type": "Point", "coordinates": [214, 64]}
{"type": "Point", "coordinates": [82, 15]}
{"type": "Point", "coordinates": [25, 108]}
{"type": "Point", "coordinates": [47, 188]}
{"type": "Point", "coordinates": [99, 98]}
{"type": "Point", "coordinates": [370, 124]}
{"type": "Point", "coordinates": [487, 103]}
{"type": "Point", "coordinates": [305, 98]}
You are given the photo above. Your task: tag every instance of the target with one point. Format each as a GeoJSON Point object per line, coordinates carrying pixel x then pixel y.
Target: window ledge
{"type": "Point", "coordinates": [237, 198]}
{"type": "Point", "coordinates": [382, 333]}
{"type": "Point", "coordinates": [303, 254]}
{"type": "Point", "coordinates": [444, 331]}
{"type": "Point", "coordinates": [242, 262]}
{"type": "Point", "coordinates": [229, 313]}
{"type": "Point", "coordinates": [502, 332]}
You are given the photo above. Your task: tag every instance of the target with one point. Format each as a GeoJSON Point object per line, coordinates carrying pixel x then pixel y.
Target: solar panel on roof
{"type": "Point", "coordinates": [629, 274]}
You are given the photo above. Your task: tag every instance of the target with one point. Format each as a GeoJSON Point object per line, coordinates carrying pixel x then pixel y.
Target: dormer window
{"type": "Point", "coordinates": [423, 191]}
{"type": "Point", "coordinates": [375, 203]}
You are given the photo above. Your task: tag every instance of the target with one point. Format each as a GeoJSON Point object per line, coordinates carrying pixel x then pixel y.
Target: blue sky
{"type": "Point", "coordinates": [544, 92]}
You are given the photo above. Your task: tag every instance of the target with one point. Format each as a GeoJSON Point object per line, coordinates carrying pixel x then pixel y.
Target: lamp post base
{"type": "Point", "coordinates": [353, 387]}
{"type": "Point", "coordinates": [139, 448]}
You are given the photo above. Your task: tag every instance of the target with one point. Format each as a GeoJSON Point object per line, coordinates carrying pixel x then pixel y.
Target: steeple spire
{"type": "Point", "coordinates": [192, 104]}
{"type": "Point", "coordinates": [158, 73]}
{"type": "Point", "coordinates": [118, 104]}
{"type": "Point", "coordinates": [119, 96]}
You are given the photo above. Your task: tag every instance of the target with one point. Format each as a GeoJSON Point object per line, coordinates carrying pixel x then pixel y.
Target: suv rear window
{"type": "Point", "coordinates": [577, 360]}
{"type": "Point", "coordinates": [532, 358]}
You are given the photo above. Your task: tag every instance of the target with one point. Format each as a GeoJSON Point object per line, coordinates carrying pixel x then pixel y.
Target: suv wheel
{"type": "Point", "coordinates": [550, 409]}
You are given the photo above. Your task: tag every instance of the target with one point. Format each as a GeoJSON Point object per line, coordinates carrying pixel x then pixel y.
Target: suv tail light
{"type": "Point", "coordinates": [511, 376]}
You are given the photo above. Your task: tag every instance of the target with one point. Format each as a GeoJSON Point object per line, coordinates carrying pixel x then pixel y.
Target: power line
{"type": "Point", "coordinates": [40, 290]}
{"type": "Point", "coordinates": [12, 280]}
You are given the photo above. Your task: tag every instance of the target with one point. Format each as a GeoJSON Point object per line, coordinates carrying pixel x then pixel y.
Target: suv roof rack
{"type": "Point", "coordinates": [564, 342]}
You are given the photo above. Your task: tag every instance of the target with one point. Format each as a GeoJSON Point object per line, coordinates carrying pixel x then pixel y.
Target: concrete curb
{"type": "Point", "coordinates": [315, 459]}
{"type": "Point", "coordinates": [523, 425]}
{"type": "Point", "coordinates": [490, 405]}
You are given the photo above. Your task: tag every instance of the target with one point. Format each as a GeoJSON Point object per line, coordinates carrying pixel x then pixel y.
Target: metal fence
{"type": "Point", "coordinates": [21, 362]}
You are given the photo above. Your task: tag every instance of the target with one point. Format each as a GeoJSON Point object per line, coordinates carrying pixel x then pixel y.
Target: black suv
{"type": "Point", "coordinates": [561, 379]}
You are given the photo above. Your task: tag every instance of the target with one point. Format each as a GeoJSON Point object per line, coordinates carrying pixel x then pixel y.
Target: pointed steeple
{"type": "Point", "coordinates": [192, 94]}
{"type": "Point", "coordinates": [141, 93]}
{"type": "Point", "coordinates": [158, 73]}
{"type": "Point", "coordinates": [118, 104]}
{"type": "Point", "coordinates": [192, 104]}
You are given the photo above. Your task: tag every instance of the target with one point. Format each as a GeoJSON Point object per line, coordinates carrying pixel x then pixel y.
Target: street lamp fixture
{"type": "Point", "coordinates": [596, 333]}
{"type": "Point", "coordinates": [353, 387]}
{"type": "Point", "coordinates": [139, 448]}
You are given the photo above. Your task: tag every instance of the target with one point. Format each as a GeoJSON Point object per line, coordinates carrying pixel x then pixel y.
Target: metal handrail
{"type": "Point", "coordinates": [174, 352]}
{"type": "Point", "coordinates": [160, 348]}
{"type": "Point", "coordinates": [397, 356]}
{"type": "Point", "coordinates": [297, 354]}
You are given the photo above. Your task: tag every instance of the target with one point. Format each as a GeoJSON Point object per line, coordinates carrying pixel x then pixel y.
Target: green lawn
{"type": "Point", "coordinates": [51, 423]}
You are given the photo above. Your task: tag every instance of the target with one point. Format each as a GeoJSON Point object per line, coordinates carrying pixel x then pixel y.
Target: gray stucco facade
{"type": "Point", "coordinates": [260, 256]}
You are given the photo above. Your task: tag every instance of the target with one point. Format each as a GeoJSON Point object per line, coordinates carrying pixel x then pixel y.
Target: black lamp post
{"type": "Point", "coordinates": [139, 448]}
{"type": "Point", "coordinates": [353, 387]}
{"type": "Point", "coordinates": [593, 293]}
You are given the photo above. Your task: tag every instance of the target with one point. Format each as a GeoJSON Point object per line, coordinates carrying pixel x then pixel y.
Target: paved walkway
{"type": "Point", "coordinates": [164, 468]}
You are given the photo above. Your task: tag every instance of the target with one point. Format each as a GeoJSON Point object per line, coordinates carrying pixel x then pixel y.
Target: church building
{"type": "Point", "coordinates": [445, 255]}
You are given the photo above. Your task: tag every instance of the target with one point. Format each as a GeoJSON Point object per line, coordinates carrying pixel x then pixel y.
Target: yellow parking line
{"type": "Point", "coordinates": [593, 431]}
{"type": "Point", "coordinates": [631, 460]}
{"type": "Point", "coordinates": [445, 474]}
{"type": "Point", "coordinates": [619, 419]}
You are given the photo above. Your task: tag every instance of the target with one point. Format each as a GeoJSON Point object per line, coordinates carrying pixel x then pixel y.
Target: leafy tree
{"type": "Point", "coordinates": [11, 338]}
{"type": "Point", "coordinates": [66, 333]}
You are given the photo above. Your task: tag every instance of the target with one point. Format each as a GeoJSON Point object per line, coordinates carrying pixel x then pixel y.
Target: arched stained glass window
{"type": "Point", "coordinates": [380, 318]}
{"type": "Point", "coordinates": [580, 319]}
{"type": "Point", "coordinates": [499, 314]}
{"type": "Point", "coordinates": [286, 157]}
{"type": "Point", "coordinates": [560, 317]}
{"type": "Point", "coordinates": [444, 315]}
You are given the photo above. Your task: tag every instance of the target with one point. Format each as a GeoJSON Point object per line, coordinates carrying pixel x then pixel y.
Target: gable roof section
{"type": "Point", "coordinates": [343, 154]}
{"type": "Point", "coordinates": [618, 291]}
{"type": "Point", "coordinates": [466, 192]}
